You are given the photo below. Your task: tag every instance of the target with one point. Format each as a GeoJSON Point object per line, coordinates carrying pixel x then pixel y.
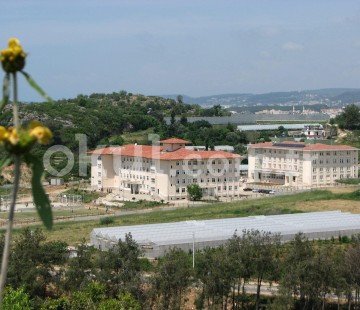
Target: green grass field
{"type": "Point", "coordinates": [140, 137]}
{"type": "Point", "coordinates": [74, 232]}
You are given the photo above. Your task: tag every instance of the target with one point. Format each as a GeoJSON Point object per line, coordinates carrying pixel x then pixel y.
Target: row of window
{"type": "Point", "coordinates": [219, 188]}
{"type": "Point", "coordinates": [202, 162]}
{"type": "Point", "coordinates": [335, 176]}
{"type": "Point", "coordinates": [280, 166]}
{"type": "Point", "coordinates": [207, 171]}
{"type": "Point", "coordinates": [333, 153]}
{"type": "Point", "coordinates": [208, 180]}
{"type": "Point", "coordinates": [333, 169]}
{"type": "Point", "coordinates": [334, 161]}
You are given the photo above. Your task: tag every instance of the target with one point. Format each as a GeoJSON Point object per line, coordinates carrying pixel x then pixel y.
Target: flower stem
{"type": "Point", "coordinates": [15, 104]}
{"type": "Point", "coordinates": [7, 245]}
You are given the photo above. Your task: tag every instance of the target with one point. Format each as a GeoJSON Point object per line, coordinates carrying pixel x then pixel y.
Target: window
{"type": "Point", "coordinates": [99, 165]}
{"type": "Point", "coordinates": [99, 182]}
{"type": "Point", "coordinates": [99, 174]}
{"type": "Point", "coordinates": [183, 190]}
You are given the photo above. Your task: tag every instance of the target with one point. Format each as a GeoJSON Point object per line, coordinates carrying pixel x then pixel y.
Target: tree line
{"type": "Point", "coordinates": [303, 274]}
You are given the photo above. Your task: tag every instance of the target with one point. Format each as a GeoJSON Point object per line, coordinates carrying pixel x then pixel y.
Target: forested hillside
{"type": "Point", "coordinates": [101, 116]}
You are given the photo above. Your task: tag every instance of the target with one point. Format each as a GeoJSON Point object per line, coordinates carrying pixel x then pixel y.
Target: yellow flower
{"type": "Point", "coordinates": [13, 57]}
{"type": "Point", "coordinates": [42, 134]}
{"type": "Point", "coordinates": [13, 42]}
{"type": "Point", "coordinates": [4, 135]}
{"type": "Point", "coordinates": [34, 124]}
{"type": "Point", "coordinates": [13, 136]}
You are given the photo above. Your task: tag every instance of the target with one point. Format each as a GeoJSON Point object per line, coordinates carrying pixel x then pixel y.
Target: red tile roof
{"type": "Point", "coordinates": [175, 141]}
{"type": "Point", "coordinates": [307, 147]}
{"type": "Point", "coordinates": [156, 152]}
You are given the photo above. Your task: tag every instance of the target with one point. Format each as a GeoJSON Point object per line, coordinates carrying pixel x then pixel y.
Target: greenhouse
{"type": "Point", "coordinates": [155, 239]}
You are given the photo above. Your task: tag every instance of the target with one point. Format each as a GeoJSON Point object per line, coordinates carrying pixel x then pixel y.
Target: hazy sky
{"type": "Point", "coordinates": [190, 47]}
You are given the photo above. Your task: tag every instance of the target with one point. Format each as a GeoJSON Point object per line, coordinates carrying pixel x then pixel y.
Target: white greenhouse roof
{"type": "Point", "coordinates": [322, 224]}
{"type": "Point", "coordinates": [273, 126]}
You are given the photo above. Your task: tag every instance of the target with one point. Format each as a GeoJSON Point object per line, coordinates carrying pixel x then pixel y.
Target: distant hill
{"type": "Point", "coordinates": [331, 96]}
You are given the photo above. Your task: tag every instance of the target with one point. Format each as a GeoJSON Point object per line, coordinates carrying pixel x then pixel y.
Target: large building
{"type": "Point", "coordinates": [300, 164]}
{"type": "Point", "coordinates": [165, 170]}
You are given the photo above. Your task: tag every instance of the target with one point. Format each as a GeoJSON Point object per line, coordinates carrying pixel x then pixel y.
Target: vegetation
{"type": "Point", "coordinates": [354, 181]}
{"type": "Point", "coordinates": [42, 275]}
{"type": "Point", "coordinates": [106, 220]}
{"type": "Point", "coordinates": [194, 192]}
{"type": "Point", "coordinates": [87, 196]}
{"type": "Point", "coordinates": [74, 231]}
{"type": "Point", "coordinates": [350, 118]}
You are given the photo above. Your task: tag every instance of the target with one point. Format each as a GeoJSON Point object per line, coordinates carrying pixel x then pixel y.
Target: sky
{"type": "Point", "coordinates": [188, 47]}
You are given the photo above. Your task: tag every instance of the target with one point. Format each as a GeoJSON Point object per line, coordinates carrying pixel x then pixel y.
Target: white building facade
{"type": "Point", "coordinates": [300, 164]}
{"type": "Point", "coordinates": [165, 171]}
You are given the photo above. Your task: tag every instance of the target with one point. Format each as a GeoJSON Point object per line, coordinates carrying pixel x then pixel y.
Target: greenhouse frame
{"type": "Point", "coordinates": [156, 239]}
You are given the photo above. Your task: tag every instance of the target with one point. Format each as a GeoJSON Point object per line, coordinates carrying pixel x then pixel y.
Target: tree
{"type": "Point", "coordinates": [32, 261]}
{"type": "Point", "coordinates": [263, 248]}
{"type": "Point", "coordinates": [120, 268]}
{"type": "Point", "coordinates": [180, 99]}
{"type": "Point", "coordinates": [194, 192]}
{"type": "Point", "coordinates": [16, 299]}
{"type": "Point", "coordinates": [172, 279]}
{"type": "Point", "coordinates": [77, 275]}
{"type": "Point", "coordinates": [215, 271]}
{"type": "Point", "coordinates": [350, 118]}
{"type": "Point", "coordinates": [296, 268]}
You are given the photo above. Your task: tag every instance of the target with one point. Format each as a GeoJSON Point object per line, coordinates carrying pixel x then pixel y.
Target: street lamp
{"type": "Point", "coordinates": [193, 250]}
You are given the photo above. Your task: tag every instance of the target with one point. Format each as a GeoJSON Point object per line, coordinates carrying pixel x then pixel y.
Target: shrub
{"type": "Point", "coordinates": [106, 220]}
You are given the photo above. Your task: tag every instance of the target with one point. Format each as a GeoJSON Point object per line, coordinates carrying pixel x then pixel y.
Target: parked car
{"type": "Point", "coordinates": [271, 192]}
{"type": "Point", "coordinates": [247, 189]}
{"type": "Point", "coordinates": [264, 191]}
{"type": "Point", "coordinates": [255, 190]}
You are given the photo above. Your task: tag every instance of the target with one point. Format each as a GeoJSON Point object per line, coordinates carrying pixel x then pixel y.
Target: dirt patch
{"type": "Point", "coordinates": [339, 190]}
{"type": "Point", "coordinates": [329, 205]}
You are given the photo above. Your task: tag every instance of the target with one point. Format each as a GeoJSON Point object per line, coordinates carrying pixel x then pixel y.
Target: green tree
{"type": "Point", "coordinates": [32, 261]}
{"type": "Point", "coordinates": [350, 118]}
{"type": "Point", "coordinates": [214, 269]}
{"type": "Point", "coordinates": [16, 299]}
{"type": "Point", "coordinates": [194, 192]}
{"type": "Point", "coordinates": [171, 280]}
{"type": "Point", "coordinates": [296, 268]}
{"type": "Point", "coordinates": [78, 270]}
{"type": "Point", "coordinates": [180, 99]}
{"type": "Point", "coordinates": [119, 268]}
